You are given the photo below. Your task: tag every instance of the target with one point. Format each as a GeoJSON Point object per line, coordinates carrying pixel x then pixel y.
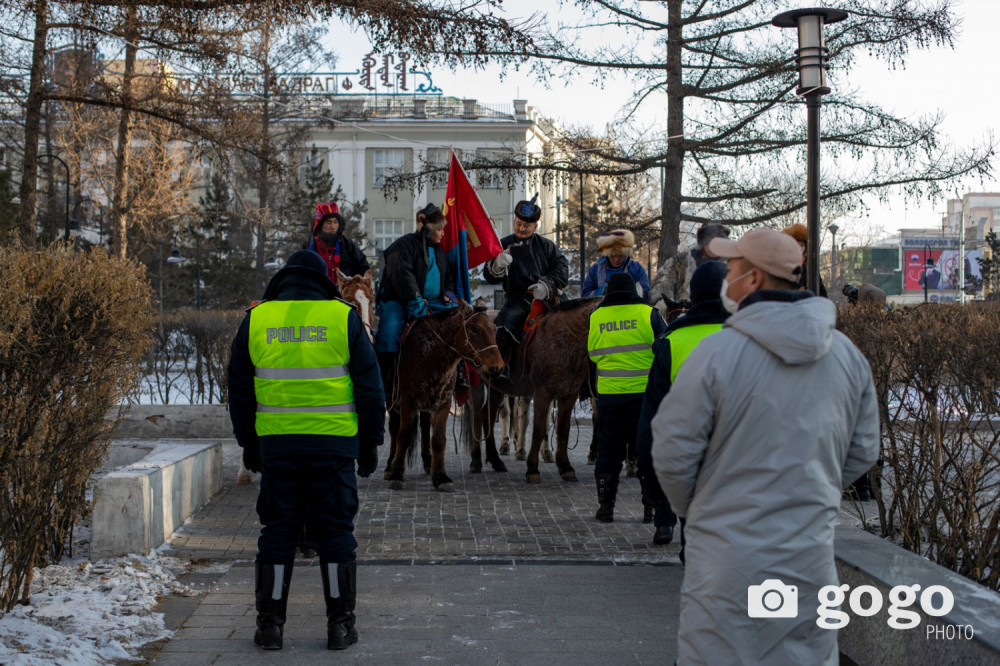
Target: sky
{"type": "Point", "coordinates": [956, 82]}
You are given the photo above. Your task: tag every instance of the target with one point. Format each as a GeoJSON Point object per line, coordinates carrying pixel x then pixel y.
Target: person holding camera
{"type": "Point", "coordinates": [530, 267]}
{"type": "Point", "coordinates": [766, 422]}
{"type": "Point", "coordinates": [305, 400]}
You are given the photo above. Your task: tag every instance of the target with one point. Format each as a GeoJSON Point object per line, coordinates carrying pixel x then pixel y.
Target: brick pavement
{"type": "Point", "coordinates": [498, 572]}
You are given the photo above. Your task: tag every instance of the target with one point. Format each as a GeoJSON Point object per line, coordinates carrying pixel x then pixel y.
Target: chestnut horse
{"type": "Point", "coordinates": [425, 381]}
{"type": "Point", "coordinates": [554, 369]}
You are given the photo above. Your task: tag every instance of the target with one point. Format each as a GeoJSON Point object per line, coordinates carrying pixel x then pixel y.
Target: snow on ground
{"type": "Point", "coordinates": [90, 613]}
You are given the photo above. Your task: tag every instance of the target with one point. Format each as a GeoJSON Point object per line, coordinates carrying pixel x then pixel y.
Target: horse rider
{"type": "Point", "coordinates": [620, 343]}
{"type": "Point", "coordinates": [305, 400]}
{"type": "Point", "coordinates": [417, 280]}
{"type": "Point", "coordinates": [530, 267]}
{"type": "Point", "coordinates": [338, 251]}
{"type": "Point", "coordinates": [705, 317]}
{"type": "Point", "coordinates": [674, 276]}
{"type": "Point", "coordinates": [616, 248]}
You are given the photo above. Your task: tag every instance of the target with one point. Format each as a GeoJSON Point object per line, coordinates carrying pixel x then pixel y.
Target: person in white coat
{"type": "Point", "coordinates": [767, 421]}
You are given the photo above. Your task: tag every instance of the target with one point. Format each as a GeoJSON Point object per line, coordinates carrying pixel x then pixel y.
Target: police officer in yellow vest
{"type": "Point", "coordinates": [306, 400]}
{"type": "Point", "coordinates": [622, 331]}
{"type": "Point", "coordinates": [705, 317]}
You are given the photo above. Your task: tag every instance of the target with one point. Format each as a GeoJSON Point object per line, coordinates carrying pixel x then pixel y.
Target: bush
{"type": "Point", "coordinates": [937, 375]}
{"type": "Point", "coordinates": [74, 331]}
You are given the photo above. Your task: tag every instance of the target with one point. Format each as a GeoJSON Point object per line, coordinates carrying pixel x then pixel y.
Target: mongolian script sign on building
{"type": "Point", "coordinates": [385, 74]}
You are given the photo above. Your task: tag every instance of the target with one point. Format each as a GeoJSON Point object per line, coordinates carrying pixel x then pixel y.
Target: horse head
{"type": "Point", "coordinates": [359, 291]}
{"type": "Point", "coordinates": [476, 340]}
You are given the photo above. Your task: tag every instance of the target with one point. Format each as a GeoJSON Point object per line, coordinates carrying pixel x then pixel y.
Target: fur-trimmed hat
{"type": "Point", "coordinates": [430, 216]}
{"type": "Point", "coordinates": [616, 243]}
{"type": "Point", "coordinates": [797, 231]}
{"type": "Point", "coordinates": [525, 205]}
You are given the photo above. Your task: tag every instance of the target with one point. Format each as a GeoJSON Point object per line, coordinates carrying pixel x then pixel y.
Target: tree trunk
{"type": "Point", "coordinates": [263, 183]}
{"type": "Point", "coordinates": [32, 124]}
{"type": "Point", "coordinates": [119, 202]}
{"type": "Point", "coordinates": [670, 207]}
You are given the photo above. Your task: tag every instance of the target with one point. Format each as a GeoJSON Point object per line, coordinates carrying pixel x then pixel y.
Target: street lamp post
{"type": "Point", "coordinates": [812, 63]}
{"type": "Point", "coordinates": [928, 262]}
{"type": "Point", "coordinates": [65, 166]}
{"type": "Point", "coordinates": [833, 254]}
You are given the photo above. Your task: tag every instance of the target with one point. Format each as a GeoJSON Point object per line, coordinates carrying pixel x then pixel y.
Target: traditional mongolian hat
{"type": "Point", "coordinates": [616, 243]}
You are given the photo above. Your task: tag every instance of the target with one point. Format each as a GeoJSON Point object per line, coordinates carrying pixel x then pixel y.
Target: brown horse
{"type": "Point", "coordinates": [425, 381]}
{"type": "Point", "coordinates": [358, 290]}
{"type": "Point", "coordinates": [554, 369]}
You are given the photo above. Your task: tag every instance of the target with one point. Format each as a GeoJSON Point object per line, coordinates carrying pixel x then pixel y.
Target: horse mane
{"type": "Point", "coordinates": [574, 303]}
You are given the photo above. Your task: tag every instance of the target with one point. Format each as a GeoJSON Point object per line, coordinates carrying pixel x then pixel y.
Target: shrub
{"type": "Point", "coordinates": [937, 375]}
{"type": "Point", "coordinates": [75, 329]}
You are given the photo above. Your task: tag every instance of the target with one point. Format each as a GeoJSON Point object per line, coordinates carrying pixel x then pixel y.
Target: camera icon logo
{"type": "Point", "coordinates": [772, 598]}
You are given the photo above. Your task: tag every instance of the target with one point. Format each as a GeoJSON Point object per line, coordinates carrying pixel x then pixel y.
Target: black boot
{"type": "Point", "coordinates": [462, 382]}
{"type": "Point", "coordinates": [607, 490]}
{"type": "Point", "coordinates": [271, 592]}
{"type": "Point", "coordinates": [663, 535]}
{"type": "Point", "coordinates": [340, 579]}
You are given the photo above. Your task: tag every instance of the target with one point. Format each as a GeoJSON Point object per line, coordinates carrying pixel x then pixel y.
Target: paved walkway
{"type": "Point", "coordinates": [498, 572]}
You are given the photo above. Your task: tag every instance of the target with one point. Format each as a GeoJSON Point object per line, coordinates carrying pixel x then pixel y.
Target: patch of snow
{"type": "Point", "coordinates": [90, 613]}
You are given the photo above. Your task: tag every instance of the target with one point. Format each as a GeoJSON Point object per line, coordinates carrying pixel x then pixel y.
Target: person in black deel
{"type": "Point", "coordinates": [306, 400]}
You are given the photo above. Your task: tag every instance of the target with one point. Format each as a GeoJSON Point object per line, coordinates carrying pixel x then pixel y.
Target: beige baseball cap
{"type": "Point", "coordinates": [771, 251]}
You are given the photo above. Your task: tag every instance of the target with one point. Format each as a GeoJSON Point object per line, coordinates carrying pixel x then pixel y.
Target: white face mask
{"type": "Point", "coordinates": [729, 304]}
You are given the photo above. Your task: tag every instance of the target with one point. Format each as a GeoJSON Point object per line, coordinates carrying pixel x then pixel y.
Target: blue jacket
{"type": "Point", "coordinates": [597, 276]}
{"type": "Point", "coordinates": [369, 396]}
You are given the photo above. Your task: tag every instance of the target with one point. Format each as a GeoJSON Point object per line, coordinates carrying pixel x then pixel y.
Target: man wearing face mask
{"type": "Point", "coordinates": [766, 422]}
{"type": "Point", "coordinates": [338, 251]}
{"type": "Point", "coordinates": [530, 267]}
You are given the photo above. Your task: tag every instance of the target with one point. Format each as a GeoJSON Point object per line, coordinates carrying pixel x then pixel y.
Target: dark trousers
{"type": "Point", "coordinates": [513, 314]}
{"type": "Point", "coordinates": [322, 489]}
{"type": "Point", "coordinates": [616, 428]}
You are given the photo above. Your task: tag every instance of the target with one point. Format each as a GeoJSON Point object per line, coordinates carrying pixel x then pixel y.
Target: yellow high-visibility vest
{"type": "Point", "coordinates": [620, 343]}
{"type": "Point", "coordinates": [684, 340]}
{"type": "Point", "coordinates": [300, 352]}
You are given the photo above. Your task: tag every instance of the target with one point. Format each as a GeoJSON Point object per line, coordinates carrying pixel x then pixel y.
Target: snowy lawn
{"type": "Point", "coordinates": [91, 613]}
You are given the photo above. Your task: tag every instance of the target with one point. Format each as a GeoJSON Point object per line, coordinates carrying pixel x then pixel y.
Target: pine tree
{"type": "Point", "coordinates": [227, 268]}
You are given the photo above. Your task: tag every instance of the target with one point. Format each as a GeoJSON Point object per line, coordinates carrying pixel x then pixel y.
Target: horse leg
{"type": "Point", "coordinates": [563, 416]}
{"type": "Point", "coordinates": [425, 441]}
{"type": "Point", "coordinates": [542, 403]}
{"type": "Point", "coordinates": [519, 424]}
{"type": "Point", "coordinates": [471, 414]}
{"type": "Point", "coordinates": [243, 476]}
{"type": "Point", "coordinates": [439, 443]}
{"type": "Point", "coordinates": [393, 437]}
{"type": "Point", "coordinates": [546, 448]}
{"type": "Point", "coordinates": [505, 414]}
{"type": "Point", "coordinates": [397, 466]}
{"type": "Point", "coordinates": [495, 399]}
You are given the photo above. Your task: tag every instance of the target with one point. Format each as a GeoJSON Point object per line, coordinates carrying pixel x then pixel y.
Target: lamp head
{"type": "Point", "coordinates": [811, 54]}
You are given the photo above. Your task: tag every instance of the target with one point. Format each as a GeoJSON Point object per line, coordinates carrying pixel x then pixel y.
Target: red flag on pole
{"type": "Point", "coordinates": [465, 213]}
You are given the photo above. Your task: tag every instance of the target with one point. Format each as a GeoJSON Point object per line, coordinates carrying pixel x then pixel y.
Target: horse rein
{"type": "Point", "coordinates": [477, 359]}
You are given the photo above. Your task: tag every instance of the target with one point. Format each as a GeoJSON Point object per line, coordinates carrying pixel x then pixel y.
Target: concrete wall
{"type": "Point", "coordinates": [175, 421]}
{"type": "Point", "coordinates": [138, 507]}
{"type": "Point", "coordinates": [864, 559]}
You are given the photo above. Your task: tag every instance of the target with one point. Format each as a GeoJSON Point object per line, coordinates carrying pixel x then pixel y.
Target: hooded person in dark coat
{"type": "Point", "coordinates": [707, 313]}
{"type": "Point", "coordinates": [306, 401]}
{"type": "Point", "coordinates": [329, 241]}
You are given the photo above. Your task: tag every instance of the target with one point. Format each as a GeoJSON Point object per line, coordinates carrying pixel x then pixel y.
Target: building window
{"type": "Point", "coordinates": [386, 231]}
{"type": "Point", "coordinates": [489, 179]}
{"type": "Point", "coordinates": [440, 157]}
{"type": "Point", "coordinates": [387, 162]}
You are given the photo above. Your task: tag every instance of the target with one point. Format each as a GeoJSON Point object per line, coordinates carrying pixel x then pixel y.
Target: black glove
{"type": "Point", "coordinates": [251, 457]}
{"type": "Point", "coordinates": [367, 461]}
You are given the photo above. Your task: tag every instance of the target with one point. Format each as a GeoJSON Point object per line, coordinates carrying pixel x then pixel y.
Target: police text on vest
{"type": "Point", "coordinates": [297, 334]}
{"type": "Point", "coordinates": [624, 325]}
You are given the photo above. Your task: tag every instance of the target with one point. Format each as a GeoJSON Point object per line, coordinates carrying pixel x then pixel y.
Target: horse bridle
{"type": "Point", "coordinates": [477, 360]}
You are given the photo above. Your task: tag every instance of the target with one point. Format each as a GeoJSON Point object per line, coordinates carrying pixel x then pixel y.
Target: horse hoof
{"type": "Point", "coordinates": [243, 479]}
{"type": "Point", "coordinates": [504, 449]}
{"type": "Point", "coordinates": [568, 475]}
{"type": "Point", "coordinates": [533, 477]}
{"type": "Point", "coordinates": [475, 469]}
{"type": "Point", "coordinates": [520, 455]}
{"type": "Point", "coordinates": [547, 457]}
{"type": "Point", "coordinates": [447, 487]}
{"type": "Point", "coordinates": [385, 475]}
{"type": "Point", "coordinates": [395, 484]}
{"type": "Point", "coordinates": [498, 466]}
{"type": "Point", "coordinates": [427, 470]}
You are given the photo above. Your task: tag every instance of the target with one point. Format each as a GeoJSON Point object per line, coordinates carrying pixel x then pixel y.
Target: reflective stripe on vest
{"type": "Point", "coordinates": [300, 351]}
{"type": "Point", "coordinates": [684, 340]}
{"type": "Point", "coordinates": [620, 343]}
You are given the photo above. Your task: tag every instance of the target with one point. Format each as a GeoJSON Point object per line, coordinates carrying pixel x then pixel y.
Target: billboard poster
{"type": "Point", "coordinates": [943, 275]}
